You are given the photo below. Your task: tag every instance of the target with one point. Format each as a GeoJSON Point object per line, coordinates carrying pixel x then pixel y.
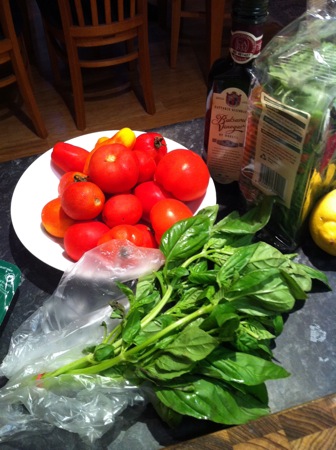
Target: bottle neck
{"type": "Point", "coordinates": [246, 41]}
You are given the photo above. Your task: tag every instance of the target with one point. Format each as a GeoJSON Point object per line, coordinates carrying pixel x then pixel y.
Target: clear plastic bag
{"type": "Point", "coordinates": [56, 334]}
{"type": "Point", "coordinates": [290, 144]}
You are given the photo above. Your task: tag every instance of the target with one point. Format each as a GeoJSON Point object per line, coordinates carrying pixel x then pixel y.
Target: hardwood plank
{"type": "Point", "coordinates": [311, 426]}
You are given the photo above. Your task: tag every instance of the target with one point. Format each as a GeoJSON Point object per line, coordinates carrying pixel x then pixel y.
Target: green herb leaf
{"type": "Point", "coordinates": [240, 367]}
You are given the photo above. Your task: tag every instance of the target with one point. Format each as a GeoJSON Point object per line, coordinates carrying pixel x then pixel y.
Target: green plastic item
{"type": "Point", "coordinates": [10, 278]}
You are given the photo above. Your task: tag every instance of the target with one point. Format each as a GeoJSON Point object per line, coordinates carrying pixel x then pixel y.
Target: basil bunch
{"type": "Point", "coordinates": [198, 332]}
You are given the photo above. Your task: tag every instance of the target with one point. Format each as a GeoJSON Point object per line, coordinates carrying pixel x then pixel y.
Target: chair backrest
{"type": "Point", "coordinates": [89, 24]}
{"type": "Point", "coordinates": [102, 22]}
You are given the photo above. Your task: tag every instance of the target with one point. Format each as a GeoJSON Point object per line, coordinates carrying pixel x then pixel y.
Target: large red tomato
{"type": "Point", "coordinates": [184, 174]}
{"type": "Point", "coordinates": [122, 209]}
{"type": "Point", "coordinates": [83, 201]}
{"type": "Point", "coordinates": [152, 143]}
{"type": "Point", "coordinates": [149, 193]}
{"type": "Point", "coordinates": [114, 168]}
{"type": "Point", "coordinates": [81, 237]}
{"type": "Point", "coordinates": [166, 213]}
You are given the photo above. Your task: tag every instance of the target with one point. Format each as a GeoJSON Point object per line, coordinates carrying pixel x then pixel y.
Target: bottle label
{"type": "Point", "coordinates": [281, 134]}
{"type": "Point", "coordinates": [226, 134]}
{"type": "Point", "coordinates": [244, 46]}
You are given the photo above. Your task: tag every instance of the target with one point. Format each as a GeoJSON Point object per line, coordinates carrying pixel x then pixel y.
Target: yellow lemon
{"type": "Point", "coordinates": [322, 223]}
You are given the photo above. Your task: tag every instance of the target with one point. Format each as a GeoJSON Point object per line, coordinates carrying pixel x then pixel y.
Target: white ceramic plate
{"type": "Point", "coordinates": [39, 184]}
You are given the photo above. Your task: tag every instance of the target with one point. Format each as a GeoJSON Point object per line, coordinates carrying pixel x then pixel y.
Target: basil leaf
{"type": "Point", "coordinates": [267, 287]}
{"type": "Point", "coordinates": [131, 327]}
{"type": "Point", "coordinates": [240, 367]}
{"type": "Point", "coordinates": [230, 408]}
{"type": "Point", "coordinates": [103, 351]}
{"type": "Point", "coordinates": [184, 239]}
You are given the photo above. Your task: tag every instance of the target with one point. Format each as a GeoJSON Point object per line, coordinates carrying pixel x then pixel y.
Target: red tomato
{"type": "Point", "coordinates": [149, 193]}
{"type": "Point", "coordinates": [122, 209]}
{"type": "Point", "coordinates": [114, 168]}
{"type": "Point", "coordinates": [151, 142]}
{"type": "Point", "coordinates": [184, 174]}
{"type": "Point", "coordinates": [69, 178]}
{"type": "Point", "coordinates": [81, 237]}
{"type": "Point", "coordinates": [123, 232]}
{"type": "Point", "coordinates": [69, 157]}
{"type": "Point", "coordinates": [166, 213]}
{"type": "Point", "coordinates": [149, 240]}
{"type": "Point", "coordinates": [83, 201]}
{"type": "Point", "coordinates": [147, 165]}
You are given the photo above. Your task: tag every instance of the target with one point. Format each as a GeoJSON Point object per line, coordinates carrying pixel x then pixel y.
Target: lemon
{"type": "Point", "coordinates": [322, 223]}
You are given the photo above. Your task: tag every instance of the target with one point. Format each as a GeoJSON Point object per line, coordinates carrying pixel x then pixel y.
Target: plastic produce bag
{"type": "Point", "coordinates": [290, 144]}
{"type": "Point", "coordinates": [56, 334]}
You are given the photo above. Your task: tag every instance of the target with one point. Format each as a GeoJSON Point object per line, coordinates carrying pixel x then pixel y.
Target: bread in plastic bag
{"type": "Point", "coordinates": [290, 143]}
{"type": "Point", "coordinates": [67, 322]}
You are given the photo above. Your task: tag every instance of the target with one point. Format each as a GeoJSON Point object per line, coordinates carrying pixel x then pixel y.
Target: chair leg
{"type": "Point", "coordinates": [78, 95]}
{"type": "Point", "coordinates": [27, 93]}
{"type": "Point", "coordinates": [175, 31]}
{"type": "Point", "coordinates": [77, 86]}
{"type": "Point", "coordinates": [215, 11]}
{"type": "Point", "coordinates": [145, 71]}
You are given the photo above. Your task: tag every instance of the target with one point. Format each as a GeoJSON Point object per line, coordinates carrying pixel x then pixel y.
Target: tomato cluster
{"type": "Point", "coordinates": [127, 187]}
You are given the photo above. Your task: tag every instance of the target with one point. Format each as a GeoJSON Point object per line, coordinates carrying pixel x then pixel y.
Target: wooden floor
{"type": "Point", "coordinates": [180, 93]}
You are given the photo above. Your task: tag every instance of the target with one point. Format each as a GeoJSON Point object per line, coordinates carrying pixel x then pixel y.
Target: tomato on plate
{"type": "Point", "coordinates": [122, 209]}
{"type": "Point", "coordinates": [124, 232]}
{"type": "Point", "coordinates": [83, 236]}
{"type": "Point", "coordinates": [68, 178]}
{"type": "Point", "coordinates": [69, 157]}
{"type": "Point", "coordinates": [114, 168]}
{"type": "Point", "coordinates": [83, 201]}
{"type": "Point", "coordinates": [147, 165]}
{"type": "Point", "coordinates": [166, 213]}
{"type": "Point", "coordinates": [184, 174]}
{"type": "Point", "coordinates": [149, 193]}
{"type": "Point", "coordinates": [149, 240]}
{"type": "Point", "coordinates": [54, 220]}
{"type": "Point", "coordinates": [153, 143]}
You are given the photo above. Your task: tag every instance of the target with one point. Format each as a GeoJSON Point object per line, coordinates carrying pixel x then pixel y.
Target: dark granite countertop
{"type": "Point", "coordinates": [306, 347]}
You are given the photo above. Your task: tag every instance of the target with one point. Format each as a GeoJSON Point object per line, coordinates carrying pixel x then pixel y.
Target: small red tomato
{"type": "Point", "coordinates": [184, 174]}
{"type": "Point", "coordinates": [69, 157]}
{"type": "Point", "coordinates": [124, 232]}
{"type": "Point", "coordinates": [83, 201]}
{"type": "Point", "coordinates": [166, 213]}
{"type": "Point", "coordinates": [81, 237]}
{"type": "Point", "coordinates": [149, 240]}
{"type": "Point", "coordinates": [149, 193]}
{"type": "Point", "coordinates": [151, 142]}
{"type": "Point", "coordinates": [114, 168]}
{"type": "Point", "coordinates": [147, 165]}
{"type": "Point", "coordinates": [122, 209]}
{"type": "Point", "coordinates": [68, 178]}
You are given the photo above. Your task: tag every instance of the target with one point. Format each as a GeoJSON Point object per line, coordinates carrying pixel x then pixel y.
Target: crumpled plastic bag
{"type": "Point", "coordinates": [67, 322]}
{"type": "Point", "coordinates": [290, 143]}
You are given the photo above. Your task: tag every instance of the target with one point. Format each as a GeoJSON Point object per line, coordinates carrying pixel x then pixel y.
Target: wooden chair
{"type": "Point", "coordinates": [213, 14]}
{"type": "Point", "coordinates": [15, 67]}
{"type": "Point", "coordinates": [99, 24]}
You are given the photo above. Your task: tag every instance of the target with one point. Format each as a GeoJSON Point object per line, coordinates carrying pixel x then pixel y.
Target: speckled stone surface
{"type": "Point", "coordinates": [306, 347]}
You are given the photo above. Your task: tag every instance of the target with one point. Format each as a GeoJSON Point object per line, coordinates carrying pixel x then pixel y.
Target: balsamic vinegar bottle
{"type": "Point", "coordinates": [228, 88]}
